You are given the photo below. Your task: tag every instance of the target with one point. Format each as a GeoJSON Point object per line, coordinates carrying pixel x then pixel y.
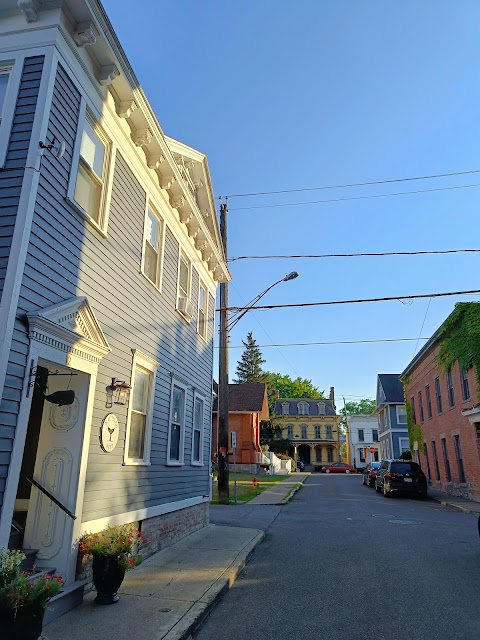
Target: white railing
{"type": "Point", "coordinates": [275, 465]}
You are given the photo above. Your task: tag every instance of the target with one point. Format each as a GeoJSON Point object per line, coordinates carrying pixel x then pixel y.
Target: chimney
{"type": "Point", "coordinates": [332, 396]}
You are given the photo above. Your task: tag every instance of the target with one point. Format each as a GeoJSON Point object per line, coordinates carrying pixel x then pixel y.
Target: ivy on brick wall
{"type": "Point", "coordinates": [414, 430]}
{"type": "Point", "coordinates": [460, 339]}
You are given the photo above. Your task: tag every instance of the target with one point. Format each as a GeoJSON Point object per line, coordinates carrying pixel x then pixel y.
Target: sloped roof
{"type": "Point", "coordinates": [312, 403]}
{"type": "Point", "coordinates": [392, 387]}
{"type": "Point", "coordinates": [247, 397]}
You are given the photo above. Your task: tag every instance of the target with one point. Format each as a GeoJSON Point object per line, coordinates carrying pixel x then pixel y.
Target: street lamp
{"type": "Point", "coordinates": [225, 325]}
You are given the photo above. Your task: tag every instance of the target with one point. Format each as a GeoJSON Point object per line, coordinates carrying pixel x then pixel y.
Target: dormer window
{"type": "Point", "coordinates": [303, 409]}
{"type": "Point", "coordinates": [321, 408]}
{"type": "Point", "coordinates": [285, 408]}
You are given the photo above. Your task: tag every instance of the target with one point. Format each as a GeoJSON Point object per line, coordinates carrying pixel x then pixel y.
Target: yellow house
{"type": "Point", "coordinates": [313, 427]}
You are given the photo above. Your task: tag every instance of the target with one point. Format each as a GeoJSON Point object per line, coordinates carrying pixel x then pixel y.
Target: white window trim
{"type": "Point", "coordinates": [285, 405]}
{"type": "Point", "coordinates": [15, 67]}
{"type": "Point", "coordinates": [204, 286]}
{"type": "Point", "coordinates": [142, 360]}
{"type": "Point", "coordinates": [321, 408]}
{"type": "Point", "coordinates": [177, 463]}
{"type": "Point", "coordinates": [189, 292]}
{"type": "Point", "coordinates": [161, 250]}
{"type": "Point", "coordinates": [108, 169]}
{"type": "Point", "coordinates": [398, 415]}
{"type": "Point", "coordinates": [401, 446]}
{"type": "Point", "coordinates": [195, 463]}
{"type": "Point", "coordinates": [305, 408]}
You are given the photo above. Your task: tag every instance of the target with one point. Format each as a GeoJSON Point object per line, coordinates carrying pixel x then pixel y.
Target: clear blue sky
{"type": "Point", "coordinates": [283, 95]}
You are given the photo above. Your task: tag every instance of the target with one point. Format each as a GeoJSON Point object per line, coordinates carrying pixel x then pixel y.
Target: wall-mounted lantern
{"type": "Point", "coordinates": [118, 392]}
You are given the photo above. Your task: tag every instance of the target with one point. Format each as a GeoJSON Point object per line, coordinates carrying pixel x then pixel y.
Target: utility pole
{"type": "Point", "coordinates": [222, 453]}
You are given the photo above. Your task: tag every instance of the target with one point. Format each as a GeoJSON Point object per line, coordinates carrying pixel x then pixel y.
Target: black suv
{"type": "Point", "coordinates": [402, 476]}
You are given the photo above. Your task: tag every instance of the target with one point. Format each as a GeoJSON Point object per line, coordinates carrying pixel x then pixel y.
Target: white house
{"type": "Point", "coordinates": [362, 435]}
{"type": "Point", "coordinates": [110, 256]}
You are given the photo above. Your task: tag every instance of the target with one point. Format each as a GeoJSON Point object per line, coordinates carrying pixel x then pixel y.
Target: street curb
{"type": "Point", "coordinates": [455, 506]}
{"type": "Point", "coordinates": [292, 493]}
{"type": "Point", "coordinates": [193, 619]}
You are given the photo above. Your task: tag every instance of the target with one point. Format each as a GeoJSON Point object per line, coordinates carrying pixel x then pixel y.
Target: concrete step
{"type": "Point", "coordinates": [30, 560]}
{"type": "Point", "coordinates": [69, 598]}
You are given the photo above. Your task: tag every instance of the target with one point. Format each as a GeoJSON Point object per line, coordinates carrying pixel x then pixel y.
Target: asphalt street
{"type": "Point", "coordinates": [343, 562]}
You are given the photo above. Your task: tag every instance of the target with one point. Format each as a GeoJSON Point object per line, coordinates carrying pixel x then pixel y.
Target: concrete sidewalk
{"type": "Point", "coordinates": [282, 492]}
{"type": "Point", "coordinates": [461, 504]}
{"type": "Point", "coordinates": [167, 596]}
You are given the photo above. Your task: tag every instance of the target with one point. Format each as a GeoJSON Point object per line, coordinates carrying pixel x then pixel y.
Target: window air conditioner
{"type": "Point", "coordinates": [185, 306]}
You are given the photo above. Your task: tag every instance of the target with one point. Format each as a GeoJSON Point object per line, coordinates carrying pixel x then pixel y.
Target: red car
{"type": "Point", "coordinates": [338, 467]}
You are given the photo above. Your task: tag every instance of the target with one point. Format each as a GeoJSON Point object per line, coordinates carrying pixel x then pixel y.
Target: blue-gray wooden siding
{"type": "Point", "coordinates": [10, 188]}
{"type": "Point", "coordinates": [66, 258]}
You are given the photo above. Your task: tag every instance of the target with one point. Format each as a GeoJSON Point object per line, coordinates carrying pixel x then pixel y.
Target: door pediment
{"type": "Point", "coordinates": [69, 326]}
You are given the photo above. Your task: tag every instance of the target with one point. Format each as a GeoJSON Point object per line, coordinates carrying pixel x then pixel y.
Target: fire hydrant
{"type": "Point", "coordinates": [255, 483]}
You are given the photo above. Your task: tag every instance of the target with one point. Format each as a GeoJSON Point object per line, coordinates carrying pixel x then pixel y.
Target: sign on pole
{"type": "Point", "coordinates": [372, 449]}
{"type": "Point", "coordinates": [234, 439]}
{"type": "Point", "coordinates": [415, 445]}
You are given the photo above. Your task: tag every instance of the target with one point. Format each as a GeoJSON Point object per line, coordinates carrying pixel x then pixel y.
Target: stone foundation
{"type": "Point", "coordinates": [159, 532]}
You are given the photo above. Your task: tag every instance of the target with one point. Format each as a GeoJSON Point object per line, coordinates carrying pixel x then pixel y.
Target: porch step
{"type": "Point", "coordinates": [27, 564]}
{"type": "Point", "coordinates": [69, 598]}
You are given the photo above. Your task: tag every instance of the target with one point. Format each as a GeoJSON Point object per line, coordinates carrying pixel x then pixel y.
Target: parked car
{"type": "Point", "coordinates": [401, 476]}
{"type": "Point", "coordinates": [300, 465]}
{"type": "Point", "coordinates": [338, 467]}
{"type": "Point", "coordinates": [369, 473]}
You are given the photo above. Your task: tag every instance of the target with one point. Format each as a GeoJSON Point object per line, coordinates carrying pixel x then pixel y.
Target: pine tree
{"type": "Point", "coordinates": [249, 367]}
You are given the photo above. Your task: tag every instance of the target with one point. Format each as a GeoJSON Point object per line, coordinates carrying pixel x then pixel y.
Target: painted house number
{"type": "Point", "coordinates": [109, 433]}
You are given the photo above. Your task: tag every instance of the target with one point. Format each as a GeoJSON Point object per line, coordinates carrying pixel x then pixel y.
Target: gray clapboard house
{"type": "Point", "coordinates": [110, 256]}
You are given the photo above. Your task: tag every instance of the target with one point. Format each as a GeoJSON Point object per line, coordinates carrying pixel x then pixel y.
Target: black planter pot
{"type": "Point", "coordinates": [23, 623]}
{"type": "Point", "coordinates": [107, 577]}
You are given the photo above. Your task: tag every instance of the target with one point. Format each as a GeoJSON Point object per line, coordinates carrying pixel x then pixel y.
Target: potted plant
{"type": "Point", "coordinates": [113, 553]}
{"type": "Point", "coordinates": [23, 597]}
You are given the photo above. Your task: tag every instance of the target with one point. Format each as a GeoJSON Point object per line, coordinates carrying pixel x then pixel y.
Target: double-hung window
{"type": "Point", "coordinates": [152, 247]}
{"type": "Point", "coordinates": [184, 304]}
{"type": "Point", "coordinates": [4, 79]}
{"type": "Point", "coordinates": [451, 392]}
{"type": "Point", "coordinates": [176, 432]}
{"type": "Point", "coordinates": [140, 410]}
{"type": "Point", "coordinates": [198, 425]}
{"type": "Point", "coordinates": [465, 386]}
{"type": "Point", "coordinates": [304, 431]}
{"type": "Point", "coordinates": [329, 432]}
{"type": "Point", "coordinates": [285, 408]}
{"type": "Point", "coordinates": [202, 311]}
{"type": "Point", "coordinates": [290, 430]}
{"type": "Point", "coordinates": [318, 432]}
{"type": "Point", "coordinates": [420, 406]}
{"type": "Point", "coordinates": [429, 400]}
{"type": "Point", "coordinates": [401, 414]}
{"type": "Point", "coordinates": [438, 393]}
{"type": "Point", "coordinates": [91, 179]}
{"type": "Point", "coordinates": [361, 435]}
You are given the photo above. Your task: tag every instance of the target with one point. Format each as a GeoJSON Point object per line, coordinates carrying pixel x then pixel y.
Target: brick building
{"type": "Point", "coordinates": [247, 407]}
{"type": "Point", "coordinates": [445, 408]}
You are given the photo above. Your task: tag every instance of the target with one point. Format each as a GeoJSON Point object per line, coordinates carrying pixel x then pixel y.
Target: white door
{"type": "Point", "coordinates": [48, 528]}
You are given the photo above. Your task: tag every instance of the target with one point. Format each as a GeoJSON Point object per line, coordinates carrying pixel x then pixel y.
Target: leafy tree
{"type": "Point", "coordinates": [283, 386]}
{"type": "Point", "coordinates": [363, 407]}
{"type": "Point", "coordinates": [249, 367]}
{"type": "Point", "coordinates": [405, 455]}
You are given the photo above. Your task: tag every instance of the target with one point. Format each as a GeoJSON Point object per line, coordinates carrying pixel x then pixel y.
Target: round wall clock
{"type": "Point", "coordinates": [109, 432]}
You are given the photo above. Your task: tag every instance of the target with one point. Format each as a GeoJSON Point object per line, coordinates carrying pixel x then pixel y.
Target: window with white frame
{"type": "Point", "coordinates": [285, 408]}
{"type": "Point", "coordinates": [198, 424]}
{"type": "Point", "coordinates": [184, 304]}
{"type": "Point", "coordinates": [321, 408]}
{"type": "Point", "coordinates": [4, 79]}
{"type": "Point", "coordinates": [303, 409]}
{"type": "Point", "coordinates": [403, 444]}
{"type": "Point", "coordinates": [91, 177]}
{"type": "Point", "coordinates": [401, 414]}
{"type": "Point", "coordinates": [152, 247]}
{"type": "Point", "coordinates": [202, 310]}
{"type": "Point", "coordinates": [176, 432]}
{"type": "Point", "coordinates": [140, 410]}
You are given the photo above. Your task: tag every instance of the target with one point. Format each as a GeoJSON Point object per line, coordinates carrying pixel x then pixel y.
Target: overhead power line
{"type": "Point", "coordinates": [370, 197]}
{"type": "Point", "coordinates": [309, 344]}
{"type": "Point", "coordinates": [355, 184]}
{"type": "Point", "coordinates": [332, 302]}
{"type": "Point", "coordinates": [356, 255]}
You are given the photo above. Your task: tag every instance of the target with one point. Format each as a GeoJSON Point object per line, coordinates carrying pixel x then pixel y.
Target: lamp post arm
{"type": "Point", "coordinates": [240, 313]}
